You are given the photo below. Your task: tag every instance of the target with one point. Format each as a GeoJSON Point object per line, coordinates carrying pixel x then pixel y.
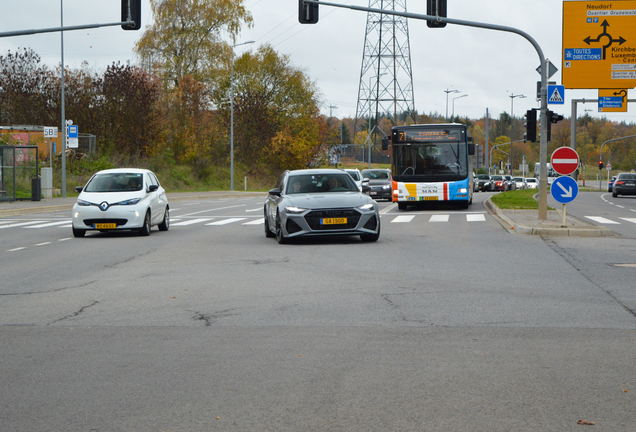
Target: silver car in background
{"type": "Point", "coordinates": [319, 202]}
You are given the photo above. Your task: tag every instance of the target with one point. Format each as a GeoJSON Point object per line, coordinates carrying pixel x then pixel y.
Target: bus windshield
{"type": "Point", "coordinates": [430, 162]}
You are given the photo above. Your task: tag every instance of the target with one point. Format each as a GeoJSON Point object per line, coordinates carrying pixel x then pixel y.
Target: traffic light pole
{"type": "Point", "coordinates": [543, 149]}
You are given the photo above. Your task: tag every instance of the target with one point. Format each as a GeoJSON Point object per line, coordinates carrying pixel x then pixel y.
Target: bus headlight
{"type": "Point", "coordinates": [463, 190]}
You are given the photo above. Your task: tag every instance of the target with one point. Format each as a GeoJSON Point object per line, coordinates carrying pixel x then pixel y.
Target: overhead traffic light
{"type": "Point", "coordinates": [134, 8]}
{"type": "Point", "coordinates": [307, 12]}
{"type": "Point", "coordinates": [531, 126]}
{"type": "Point", "coordinates": [436, 8]}
{"type": "Point", "coordinates": [600, 165]}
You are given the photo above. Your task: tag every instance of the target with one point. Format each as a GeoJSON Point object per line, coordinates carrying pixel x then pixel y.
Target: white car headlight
{"type": "Point", "coordinates": [386, 187]}
{"type": "Point", "coordinates": [83, 203]}
{"type": "Point", "coordinates": [366, 207]}
{"type": "Point", "coordinates": [294, 210]}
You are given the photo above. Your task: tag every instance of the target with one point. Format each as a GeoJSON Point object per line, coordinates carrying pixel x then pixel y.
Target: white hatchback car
{"type": "Point", "coordinates": [121, 199]}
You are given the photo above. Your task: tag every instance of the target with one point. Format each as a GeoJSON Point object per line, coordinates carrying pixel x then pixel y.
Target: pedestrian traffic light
{"type": "Point", "coordinates": [307, 12]}
{"type": "Point", "coordinates": [436, 8]}
{"type": "Point", "coordinates": [600, 165]}
{"type": "Point", "coordinates": [131, 11]}
{"type": "Point", "coordinates": [531, 125]}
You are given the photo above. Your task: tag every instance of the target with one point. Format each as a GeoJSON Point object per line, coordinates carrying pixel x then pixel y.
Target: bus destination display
{"type": "Point", "coordinates": [428, 135]}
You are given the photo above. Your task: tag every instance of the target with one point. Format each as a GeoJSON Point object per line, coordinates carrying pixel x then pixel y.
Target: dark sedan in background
{"type": "Point", "coordinates": [625, 184]}
{"type": "Point", "coordinates": [379, 183]}
{"type": "Point", "coordinates": [484, 182]}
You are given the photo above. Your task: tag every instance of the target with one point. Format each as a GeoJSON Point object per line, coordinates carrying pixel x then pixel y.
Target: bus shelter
{"type": "Point", "coordinates": [19, 173]}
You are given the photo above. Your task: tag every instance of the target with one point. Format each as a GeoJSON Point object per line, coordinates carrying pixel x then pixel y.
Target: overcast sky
{"type": "Point", "coordinates": [488, 66]}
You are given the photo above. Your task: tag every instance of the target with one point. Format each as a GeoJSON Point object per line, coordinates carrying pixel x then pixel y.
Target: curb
{"type": "Point", "coordinates": [592, 231]}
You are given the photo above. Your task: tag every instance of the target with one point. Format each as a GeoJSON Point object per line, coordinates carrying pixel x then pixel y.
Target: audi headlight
{"type": "Point", "coordinates": [386, 187]}
{"type": "Point", "coordinates": [132, 201]}
{"type": "Point", "coordinates": [83, 203]}
{"type": "Point", "coordinates": [366, 207]}
{"type": "Point", "coordinates": [294, 210]}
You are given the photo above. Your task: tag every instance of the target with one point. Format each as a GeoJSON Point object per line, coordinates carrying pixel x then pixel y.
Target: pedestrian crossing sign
{"type": "Point", "coordinates": [556, 94]}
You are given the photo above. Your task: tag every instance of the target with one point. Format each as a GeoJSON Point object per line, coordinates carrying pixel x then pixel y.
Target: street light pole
{"type": "Point", "coordinates": [447, 91]}
{"type": "Point", "coordinates": [585, 144]}
{"type": "Point", "coordinates": [232, 115]}
{"type": "Point", "coordinates": [512, 117]}
{"type": "Point", "coordinates": [458, 97]}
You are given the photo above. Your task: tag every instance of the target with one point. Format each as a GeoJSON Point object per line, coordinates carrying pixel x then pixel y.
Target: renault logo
{"type": "Point", "coordinates": [103, 206]}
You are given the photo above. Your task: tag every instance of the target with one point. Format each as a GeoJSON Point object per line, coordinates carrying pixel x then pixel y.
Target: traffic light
{"type": "Point", "coordinates": [307, 12]}
{"type": "Point", "coordinates": [600, 165]}
{"type": "Point", "coordinates": [134, 7]}
{"type": "Point", "coordinates": [552, 118]}
{"type": "Point", "coordinates": [436, 8]}
{"type": "Point", "coordinates": [531, 125]}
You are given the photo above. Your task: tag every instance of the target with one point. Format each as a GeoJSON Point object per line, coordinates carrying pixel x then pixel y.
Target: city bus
{"type": "Point", "coordinates": [552, 174]}
{"type": "Point", "coordinates": [431, 163]}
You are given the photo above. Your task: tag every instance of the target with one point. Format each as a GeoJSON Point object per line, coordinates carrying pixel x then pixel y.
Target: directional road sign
{"type": "Point", "coordinates": [564, 160]}
{"type": "Point", "coordinates": [612, 100]}
{"type": "Point", "coordinates": [564, 189]}
{"type": "Point", "coordinates": [599, 44]}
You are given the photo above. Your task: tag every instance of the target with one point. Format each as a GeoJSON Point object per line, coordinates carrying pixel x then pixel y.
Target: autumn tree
{"type": "Point", "coordinates": [186, 38]}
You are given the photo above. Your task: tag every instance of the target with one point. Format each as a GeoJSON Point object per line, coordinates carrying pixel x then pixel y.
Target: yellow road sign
{"type": "Point", "coordinates": [599, 44]}
{"type": "Point", "coordinates": [612, 100]}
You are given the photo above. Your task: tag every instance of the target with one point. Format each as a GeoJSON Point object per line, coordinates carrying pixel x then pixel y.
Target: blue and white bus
{"type": "Point", "coordinates": [431, 163]}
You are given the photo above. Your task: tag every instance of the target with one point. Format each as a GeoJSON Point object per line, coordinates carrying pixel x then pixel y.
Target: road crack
{"type": "Point", "coordinates": [76, 313]}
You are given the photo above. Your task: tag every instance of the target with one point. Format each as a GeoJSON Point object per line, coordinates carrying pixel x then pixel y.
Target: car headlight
{"type": "Point", "coordinates": [131, 201]}
{"type": "Point", "coordinates": [294, 210]}
{"type": "Point", "coordinates": [366, 207]}
{"type": "Point", "coordinates": [83, 203]}
{"type": "Point", "coordinates": [386, 187]}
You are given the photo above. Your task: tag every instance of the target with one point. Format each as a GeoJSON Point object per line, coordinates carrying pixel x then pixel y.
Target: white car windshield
{"type": "Point", "coordinates": [115, 182]}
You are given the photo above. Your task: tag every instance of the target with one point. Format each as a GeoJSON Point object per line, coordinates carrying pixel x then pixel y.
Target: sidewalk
{"type": "Point", "coordinates": [20, 208]}
{"type": "Point", "coordinates": [528, 222]}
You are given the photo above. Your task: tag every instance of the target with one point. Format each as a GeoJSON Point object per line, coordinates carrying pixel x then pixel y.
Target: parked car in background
{"type": "Point", "coordinates": [511, 183]}
{"type": "Point", "coordinates": [625, 184]}
{"type": "Point", "coordinates": [379, 183]}
{"type": "Point", "coordinates": [520, 183]}
{"type": "Point", "coordinates": [121, 199]}
{"type": "Point", "coordinates": [319, 202]}
{"type": "Point", "coordinates": [484, 183]}
{"type": "Point", "coordinates": [356, 176]}
{"type": "Point", "coordinates": [611, 183]}
{"type": "Point", "coordinates": [532, 183]}
{"type": "Point", "coordinates": [499, 183]}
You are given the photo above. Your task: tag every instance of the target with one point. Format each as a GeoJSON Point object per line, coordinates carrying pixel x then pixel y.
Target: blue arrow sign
{"type": "Point", "coordinates": [564, 189]}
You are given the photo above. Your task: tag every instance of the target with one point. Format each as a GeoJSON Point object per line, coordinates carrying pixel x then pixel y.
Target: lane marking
{"type": "Point", "coordinates": [190, 222]}
{"type": "Point", "coordinates": [42, 244]}
{"type": "Point", "coordinates": [255, 222]}
{"type": "Point", "coordinates": [602, 220]}
{"type": "Point", "coordinates": [632, 220]}
{"type": "Point", "coordinates": [475, 218]}
{"type": "Point", "coordinates": [388, 208]}
{"type": "Point", "coordinates": [20, 224]}
{"type": "Point", "coordinates": [50, 224]}
{"type": "Point", "coordinates": [16, 249]}
{"type": "Point", "coordinates": [439, 218]}
{"type": "Point", "coordinates": [402, 219]}
{"type": "Point", "coordinates": [253, 210]}
{"type": "Point", "coordinates": [215, 209]}
{"type": "Point", "coordinates": [226, 221]}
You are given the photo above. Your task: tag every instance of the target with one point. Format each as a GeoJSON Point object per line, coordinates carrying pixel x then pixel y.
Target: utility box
{"type": "Point", "coordinates": [36, 189]}
{"type": "Point", "coordinates": [47, 183]}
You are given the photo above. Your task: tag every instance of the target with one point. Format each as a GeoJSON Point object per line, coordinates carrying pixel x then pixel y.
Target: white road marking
{"type": "Point", "coordinates": [49, 224]}
{"type": "Point", "coordinates": [439, 218]}
{"type": "Point", "coordinates": [602, 220]}
{"type": "Point", "coordinates": [190, 222]}
{"type": "Point", "coordinates": [42, 244]}
{"type": "Point", "coordinates": [475, 217]}
{"type": "Point", "coordinates": [388, 208]}
{"type": "Point", "coordinates": [226, 221]}
{"type": "Point", "coordinates": [255, 222]}
{"type": "Point", "coordinates": [16, 249]}
{"type": "Point", "coordinates": [402, 219]}
{"type": "Point", "coordinates": [21, 224]}
{"type": "Point", "coordinates": [253, 210]}
{"type": "Point", "coordinates": [632, 220]}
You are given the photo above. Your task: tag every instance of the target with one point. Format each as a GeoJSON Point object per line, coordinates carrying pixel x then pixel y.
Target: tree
{"type": "Point", "coordinates": [186, 38]}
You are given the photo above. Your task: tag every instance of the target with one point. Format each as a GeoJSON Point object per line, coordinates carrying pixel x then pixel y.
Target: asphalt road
{"type": "Point", "coordinates": [448, 322]}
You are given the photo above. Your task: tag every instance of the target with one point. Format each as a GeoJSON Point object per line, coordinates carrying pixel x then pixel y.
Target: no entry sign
{"type": "Point", "coordinates": [564, 160]}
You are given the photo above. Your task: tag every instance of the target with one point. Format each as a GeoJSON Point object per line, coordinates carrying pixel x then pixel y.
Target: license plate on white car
{"type": "Point", "coordinates": [104, 226]}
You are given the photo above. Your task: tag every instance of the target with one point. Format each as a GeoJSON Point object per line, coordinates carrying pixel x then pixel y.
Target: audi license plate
{"type": "Point", "coordinates": [333, 221]}
{"type": "Point", "coordinates": [104, 226]}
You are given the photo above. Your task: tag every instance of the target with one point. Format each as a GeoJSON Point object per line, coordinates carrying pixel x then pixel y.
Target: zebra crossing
{"type": "Point", "coordinates": [177, 222]}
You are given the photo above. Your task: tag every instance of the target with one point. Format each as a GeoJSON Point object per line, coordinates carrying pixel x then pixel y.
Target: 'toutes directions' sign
{"type": "Point", "coordinates": [564, 189]}
{"type": "Point", "coordinates": [564, 160]}
{"type": "Point", "coordinates": [599, 44]}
